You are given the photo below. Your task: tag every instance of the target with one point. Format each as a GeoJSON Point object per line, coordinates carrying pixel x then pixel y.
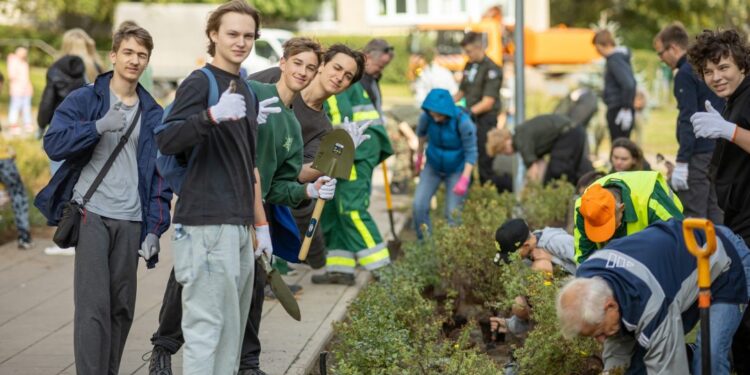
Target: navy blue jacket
{"type": "Point", "coordinates": [451, 143]}
{"type": "Point", "coordinates": [619, 81]}
{"type": "Point", "coordinates": [72, 137]}
{"type": "Point", "coordinates": [653, 278]}
{"type": "Point", "coordinates": [691, 94]}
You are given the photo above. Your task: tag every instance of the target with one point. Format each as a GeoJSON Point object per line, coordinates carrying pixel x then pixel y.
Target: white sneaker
{"type": "Point", "coordinates": [57, 250]}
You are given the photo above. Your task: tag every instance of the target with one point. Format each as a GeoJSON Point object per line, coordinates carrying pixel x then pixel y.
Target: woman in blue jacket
{"type": "Point", "coordinates": [451, 155]}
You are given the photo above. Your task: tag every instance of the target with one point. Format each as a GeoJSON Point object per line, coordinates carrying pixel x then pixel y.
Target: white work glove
{"type": "Point", "coordinates": [113, 121]}
{"type": "Point", "coordinates": [324, 188]}
{"type": "Point", "coordinates": [265, 108]}
{"type": "Point", "coordinates": [263, 242]}
{"type": "Point", "coordinates": [711, 125]}
{"type": "Point", "coordinates": [680, 177]}
{"type": "Point", "coordinates": [356, 130]}
{"type": "Point", "coordinates": [624, 119]}
{"type": "Point", "coordinates": [231, 106]}
{"type": "Point", "coordinates": [149, 247]}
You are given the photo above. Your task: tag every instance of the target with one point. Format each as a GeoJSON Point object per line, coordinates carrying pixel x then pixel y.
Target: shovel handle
{"type": "Point", "coordinates": [701, 253]}
{"type": "Point", "coordinates": [314, 221]}
{"type": "Point", "coordinates": [388, 201]}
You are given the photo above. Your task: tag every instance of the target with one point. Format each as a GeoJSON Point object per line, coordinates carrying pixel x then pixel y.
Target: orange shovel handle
{"type": "Point", "coordinates": [701, 253]}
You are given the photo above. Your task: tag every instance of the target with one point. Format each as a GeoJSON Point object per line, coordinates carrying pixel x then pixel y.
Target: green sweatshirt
{"type": "Point", "coordinates": [279, 148]}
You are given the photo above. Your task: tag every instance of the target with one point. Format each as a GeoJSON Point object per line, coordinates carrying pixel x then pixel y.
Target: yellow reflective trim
{"type": "Point", "coordinates": [341, 261]}
{"type": "Point", "coordinates": [365, 115]}
{"type": "Point", "coordinates": [353, 175]}
{"type": "Point", "coordinates": [362, 229]}
{"type": "Point", "coordinates": [375, 257]}
{"type": "Point", "coordinates": [333, 110]}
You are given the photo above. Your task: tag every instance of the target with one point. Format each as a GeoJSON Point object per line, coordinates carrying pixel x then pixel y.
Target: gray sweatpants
{"type": "Point", "coordinates": [215, 266]}
{"type": "Point", "coordinates": [104, 288]}
{"type": "Point", "coordinates": [700, 199]}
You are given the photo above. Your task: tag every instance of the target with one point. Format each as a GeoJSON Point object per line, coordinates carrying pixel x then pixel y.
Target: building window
{"type": "Point", "coordinates": [422, 6]}
{"type": "Point", "coordinates": [382, 7]}
{"type": "Point", "coordinates": [400, 6]}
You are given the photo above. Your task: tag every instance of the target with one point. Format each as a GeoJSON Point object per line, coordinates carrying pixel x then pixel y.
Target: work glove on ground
{"type": "Point", "coordinates": [324, 188]}
{"type": "Point", "coordinates": [113, 121]}
{"type": "Point", "coordinates": [418, 164]}
{"type": "Point", "coordinates": [711, 124]}
{"type": "Point", "coordinates": [356, 130]}
{"type": "Point", "coordinates": [149, 247]}
{"type": "Point", "coordinates": [231, 106]}
{"type": "Point", "coordinates": [680, 177]}
{"type": "Point", "coordinates": [624, 119]}
{"type": "Point", "coordinates": [266, 108]}
{"type": "Point", "coordinates": [263, 243]}
{"type": "Point", "coordinates": [461, 186]}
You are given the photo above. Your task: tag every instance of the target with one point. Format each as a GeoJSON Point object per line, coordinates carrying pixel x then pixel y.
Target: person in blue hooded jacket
{"type": "Point", "coordinates": [451, 156]}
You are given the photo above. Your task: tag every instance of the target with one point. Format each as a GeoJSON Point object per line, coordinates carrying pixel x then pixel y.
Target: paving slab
{"type": "Point", "coordinates": [36, 310]}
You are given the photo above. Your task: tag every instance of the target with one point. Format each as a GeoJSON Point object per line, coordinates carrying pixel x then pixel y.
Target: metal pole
{"type": "Point", "coordinates": [520, 89]}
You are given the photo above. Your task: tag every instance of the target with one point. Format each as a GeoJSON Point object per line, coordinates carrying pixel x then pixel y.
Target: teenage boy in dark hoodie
{"type": "Point", "coordinates": [128, 210]}
{"type": "Point", "coordinates": [219, 205]}
{"type": "Point", "coordinates": [619, 85]}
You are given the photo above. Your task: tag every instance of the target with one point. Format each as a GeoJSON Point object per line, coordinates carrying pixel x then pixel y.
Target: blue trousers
{"type": "Point", "coordinates": [429, 182]}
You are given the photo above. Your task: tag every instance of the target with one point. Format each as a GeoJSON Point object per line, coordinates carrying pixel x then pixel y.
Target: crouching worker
{"type": "Point", "coordinates": [553, 135]}
{"type": "Point", "coordinates": [451, 156]}
{"type": "Point", "coordinates": [620, 204]}
{"type": "Point", "coordinates": [544, 249]}
{"type": "Point", "coordinates": [638, 296]}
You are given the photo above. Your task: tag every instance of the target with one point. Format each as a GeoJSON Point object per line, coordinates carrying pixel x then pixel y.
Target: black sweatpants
{"type": "Point", "coordinates": [614, 130]}
{"type": "Point", "coordinates": [169, 333]}
{"type": "Point", "coordinates": [104, 290]}
{"type": "Point", "coordinates": [484, 123]}
{"type": "Point", "coordinates": [316, 258]}
{"type": "Point", "coordinates": [569, 157]}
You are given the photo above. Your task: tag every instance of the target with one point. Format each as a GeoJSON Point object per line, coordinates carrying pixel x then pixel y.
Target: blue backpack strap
{"type": "Point", "coordinates": [213, 87]}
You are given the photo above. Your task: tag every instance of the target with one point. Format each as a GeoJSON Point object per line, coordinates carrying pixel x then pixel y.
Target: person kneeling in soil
{"type": "Point", "coordinates": [554, 135]}
{"type": "Point", "coordinates": [544, 249]}
{"type": "Point", "coordinates": [638, 297]}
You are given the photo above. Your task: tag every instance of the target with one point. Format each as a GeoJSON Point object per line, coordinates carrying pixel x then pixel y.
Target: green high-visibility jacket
{"type": "Point", "coordinates": [647, 199]}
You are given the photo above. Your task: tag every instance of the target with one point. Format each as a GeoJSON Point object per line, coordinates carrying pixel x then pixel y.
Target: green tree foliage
{"type": "Point", "coordinates": [640, 20]}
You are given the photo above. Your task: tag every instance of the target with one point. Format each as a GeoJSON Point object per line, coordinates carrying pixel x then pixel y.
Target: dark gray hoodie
{"type": "Point", "coordinates": [619, 81]}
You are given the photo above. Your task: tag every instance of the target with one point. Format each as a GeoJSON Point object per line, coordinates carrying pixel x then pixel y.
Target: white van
{"type": "Point", "coordinates": [267, 50]}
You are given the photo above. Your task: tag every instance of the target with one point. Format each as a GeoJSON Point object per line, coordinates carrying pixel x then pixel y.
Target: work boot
{"type": "Point", "coordinates": [334, 278]}
{"type": "Point", "coordinates": [160, 362]}
{"type": "Point", "coordinates": [252, 371]}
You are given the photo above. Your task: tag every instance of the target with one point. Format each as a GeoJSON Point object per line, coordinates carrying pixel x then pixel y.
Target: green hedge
{"type": "Point", "coordinates": [395, 72]}
{"type": "Point", "coordinates": [393, 328]}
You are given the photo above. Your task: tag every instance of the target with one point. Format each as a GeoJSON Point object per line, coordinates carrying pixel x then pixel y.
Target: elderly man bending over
{"type": "Point", "coordinates": [638, 296]}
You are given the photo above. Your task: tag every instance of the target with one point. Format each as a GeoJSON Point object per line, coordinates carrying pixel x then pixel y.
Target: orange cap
{"type": "Point", "coordinates": [598, 211]}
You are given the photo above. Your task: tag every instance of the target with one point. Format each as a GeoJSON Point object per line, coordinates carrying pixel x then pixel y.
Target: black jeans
{"type": "Point", "coordinates": [614, 130]}
{"type": "Point", "coordinates": [569, 157]}
{"type": "Point", "coordinates": [484, 123]}
{"type": "Point", "coordinates": [169, 333]}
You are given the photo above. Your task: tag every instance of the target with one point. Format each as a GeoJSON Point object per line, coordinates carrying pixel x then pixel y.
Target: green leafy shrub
{"type": "Point", "coordinates": [547, 205]}
{"type": "Point", "coordinates": [392, 328]}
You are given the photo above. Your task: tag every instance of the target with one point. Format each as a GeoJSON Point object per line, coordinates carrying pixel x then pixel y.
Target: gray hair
{"type": "Point", "coordinates": [590, 297]}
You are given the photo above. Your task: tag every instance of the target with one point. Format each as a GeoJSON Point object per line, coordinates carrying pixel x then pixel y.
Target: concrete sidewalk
{"type": "Point", "coordinates": [36, 310]}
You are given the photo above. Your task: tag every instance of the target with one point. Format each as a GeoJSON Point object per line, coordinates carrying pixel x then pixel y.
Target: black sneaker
{"type": "Point", "coordinates": [334, 278]}
{"type": "Point", "coordinates": [25, 244]}
{"type": "Point", "coordinates": [160, 361]}
{"type": "Point", "coordinates": [252, 371]}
